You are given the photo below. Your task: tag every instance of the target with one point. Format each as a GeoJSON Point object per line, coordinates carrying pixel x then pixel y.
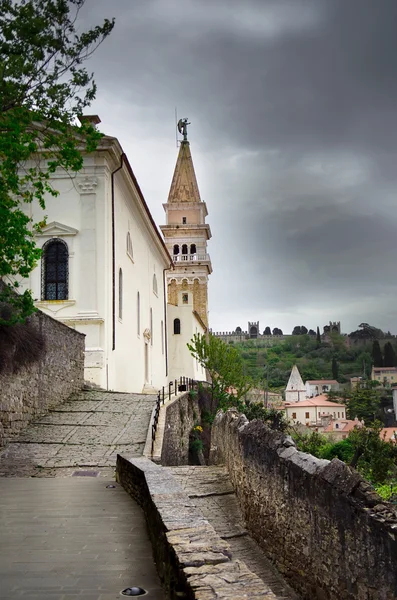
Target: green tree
{"type": "Point", "coordinates": [389, 359]}
{"type": "Point", "coordinates": [364, 403]}
{"type": "Point", "coordinates": [377, 354]}
{"type": "Point", "coordinates": [318, 336]}
{"type": "Point", "coordinates": [335, 368]}
{"type": "Point", "coordinates": [297, 330]}
{"type": "Point", "coordinates": [373, 456]}
{"type": "Point", "coordinates": [43, 88]}
{"type": "Point", "coordinates": [267, 331]}
{"type": "Point", "coordinates": [224, 365]}
{"type": "Point", "coordinates": [304, 330]}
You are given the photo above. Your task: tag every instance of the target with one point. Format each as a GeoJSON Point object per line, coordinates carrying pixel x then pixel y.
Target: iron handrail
{"type": "Point", "coordinates": [185, 384]}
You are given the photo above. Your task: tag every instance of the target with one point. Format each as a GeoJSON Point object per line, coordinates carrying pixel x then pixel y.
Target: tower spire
{"type": "Point", "coordinates": [186, 233]}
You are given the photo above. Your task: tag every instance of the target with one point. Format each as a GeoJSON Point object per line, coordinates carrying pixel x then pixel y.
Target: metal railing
{"type": "Point", "coordinates": [184, 384]}
{"type": "Point", "coordinates": [191, 257]}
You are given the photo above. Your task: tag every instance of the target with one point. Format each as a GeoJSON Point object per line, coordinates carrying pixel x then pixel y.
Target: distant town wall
{"type": "Point", "coordinates": [322, 525]}
{"type": "Point", "coordinates": [57, 373]}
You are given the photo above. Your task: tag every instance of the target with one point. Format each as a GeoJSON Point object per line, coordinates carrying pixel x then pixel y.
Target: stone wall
{"type": "Point", "coordinates": [180, 416]}
{"type": "Point", "coordinates": [57, 374]}
{"type": "Point", "coordinates": [318, 521]}
{"type": "Point", "coordinates": [193, 562]}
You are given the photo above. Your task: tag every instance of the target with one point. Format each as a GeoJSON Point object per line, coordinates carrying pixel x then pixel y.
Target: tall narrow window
{"type": "Point", "coordinates": [138, 313]}
{"type": "Point", "coordinates": [184, 249]}
{"type": "Point", "coordinates": [55, 270]}
{"type": "Point", "coordinates": [193, 249]}
{"type": "Point", "coordinates": [120, 294]}
{"type": "Point", "coordinates": [184, 221]}
{"type": "Point", "coordinates": [155, 289]}
{"type": "Point", "coordinates": [177, 326]}
{"type": "Point", "coordinates": [130, 251]}
{"type": "Point", "coordinates": [162, 337]}
{"type": "Point", "coordinates": [176, 249]}
{"type": "Point", "coordinates": [151, 326]}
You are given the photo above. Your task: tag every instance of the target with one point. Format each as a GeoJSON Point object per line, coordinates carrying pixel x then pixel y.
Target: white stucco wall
{"type": "Point", "coordinates": [82, 217]}
{"type": "Point", "coordinates": [311, 414]}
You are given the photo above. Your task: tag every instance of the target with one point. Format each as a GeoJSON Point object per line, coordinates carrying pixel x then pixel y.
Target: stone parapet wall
{"type": "Point", "coordinates": [33, 389]}
{"type": "Point", "coordinates": [193, 562]}
{"type": "Point", "coordinates": [322, 525]}
{"type": "Point", "coordinates": [180, 416]}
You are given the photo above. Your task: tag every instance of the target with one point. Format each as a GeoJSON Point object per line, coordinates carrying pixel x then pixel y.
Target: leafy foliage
{"type": "Point", "coordinates": [224, 364]}
{"type": "Point", "coordinates": [390, 358]}
{"type": "Point", "coordinates": [43, 88]}
{"type": "Point", "coordinates": [377, 358]}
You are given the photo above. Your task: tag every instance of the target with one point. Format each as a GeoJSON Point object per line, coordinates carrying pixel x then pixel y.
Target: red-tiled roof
{"type": "Point", "coordinates": [322, 381]}
{"type": "Point", "coordinates": [317, 401]}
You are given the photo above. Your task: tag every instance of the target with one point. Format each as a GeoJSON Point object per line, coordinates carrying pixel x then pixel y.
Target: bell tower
{"type": "Point", "coordinates": [186, 233]}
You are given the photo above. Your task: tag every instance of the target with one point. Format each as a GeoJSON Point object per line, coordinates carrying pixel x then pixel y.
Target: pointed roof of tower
{"type": "Point", "coordinates": [295, 382]}
{"type": "Point", "coordinates": [184, 186]}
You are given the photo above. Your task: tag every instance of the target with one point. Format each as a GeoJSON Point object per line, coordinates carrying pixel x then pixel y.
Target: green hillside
{"type": "Point", "coordinates": [314, 360]}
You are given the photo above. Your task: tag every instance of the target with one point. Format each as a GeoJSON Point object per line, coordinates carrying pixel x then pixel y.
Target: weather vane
{"type": "Point", "coordinates": [182, 128]}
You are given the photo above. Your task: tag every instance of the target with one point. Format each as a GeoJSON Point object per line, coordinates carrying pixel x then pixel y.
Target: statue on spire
{"type": "Point", "coordinates": [182, 128]}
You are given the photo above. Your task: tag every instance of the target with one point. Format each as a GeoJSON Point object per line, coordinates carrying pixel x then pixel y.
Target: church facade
{"type": "Point", "coordinates": [105, 271]}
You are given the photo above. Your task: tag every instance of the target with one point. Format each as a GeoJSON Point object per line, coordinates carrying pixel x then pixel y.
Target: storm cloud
{"type": "Point", "coordinates": [293, 110]}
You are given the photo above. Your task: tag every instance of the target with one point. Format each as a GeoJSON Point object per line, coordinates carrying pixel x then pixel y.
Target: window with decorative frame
{"type": "Point", "coordinates": [55, 270]}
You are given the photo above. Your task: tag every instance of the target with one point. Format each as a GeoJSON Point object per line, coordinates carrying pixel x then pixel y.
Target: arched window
{"type": "Point", "coordinates": [130, 251]}
{"type": "Point", "coordinates": [176, 249]}
{"type": "Point", "coordinates": [151, 327]}
{"type": "Point", "coordinates": [120, 294]}
{"type": "Point", "coordinates": [193, 249]}
{"type": "Point", "coordinates": [184, 249]}
{"type": "Point", "coordinates": [155, 289]}
{"type": "Point", "coordinates": [138, 314]}
{"type": "Point", "coordinates": [177, 326]}
{"type": "Point", "coordinates": [54, 270]}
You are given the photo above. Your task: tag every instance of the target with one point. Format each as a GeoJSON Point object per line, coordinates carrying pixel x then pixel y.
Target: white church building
{"type": "Point", "coordinates": [106, 271]}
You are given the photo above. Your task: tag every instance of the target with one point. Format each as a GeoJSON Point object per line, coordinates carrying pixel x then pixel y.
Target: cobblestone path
{"type": "Point", "coordinates": [86, 431]}
{"type": "Point", "coordinates": [209, 488]}
{"type": "Point", "coordinates": [65, 537]}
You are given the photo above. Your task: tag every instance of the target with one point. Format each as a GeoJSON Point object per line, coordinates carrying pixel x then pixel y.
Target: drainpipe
{"type": "Point", "coordinates": [165, 317]}
{"type": "Point", "coordinates": [114, 256]}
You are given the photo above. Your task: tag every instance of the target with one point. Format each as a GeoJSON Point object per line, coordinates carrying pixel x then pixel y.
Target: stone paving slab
{"type": "Point", "coordinates": [72, 538]}
{"type": "Point", "coordinates": [210, 490]}
{"type": "Point", "coordinates": [87, 430]}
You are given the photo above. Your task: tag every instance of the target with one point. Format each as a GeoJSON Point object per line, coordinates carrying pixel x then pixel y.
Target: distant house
{"type": "Point", "coordinates": [389, 434]}
{"type": "Point", "coordinates": [339, 429]}
{"type": "Point", "coordinates": [315, 387]}
{"type": "Point", "coordinates": [295, 390]}
{"type": "Point", "coordinates": [311, 411]}
{"type": "Point", "coordinates": [355, 382]}
{"type": "Point", "coordinates": [385, 375]}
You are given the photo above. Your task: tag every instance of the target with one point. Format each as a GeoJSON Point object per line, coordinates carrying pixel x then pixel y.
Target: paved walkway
{"type": "Point", "coordinates": [209, 488]}
{"type": "Point", "coordinates": [88, 430]}
{"type": "Point", "coordinates": [65, 536]}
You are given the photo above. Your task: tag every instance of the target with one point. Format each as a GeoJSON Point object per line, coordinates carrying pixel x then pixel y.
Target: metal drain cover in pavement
{"type": "Point", "coordinates": [134, 591]}
{"type": "Point", "coordinates": [85, 474]}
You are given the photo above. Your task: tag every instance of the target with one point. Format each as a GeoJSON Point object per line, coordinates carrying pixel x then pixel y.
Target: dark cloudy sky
{"type": "Point", "coordinates": [293, 110]}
